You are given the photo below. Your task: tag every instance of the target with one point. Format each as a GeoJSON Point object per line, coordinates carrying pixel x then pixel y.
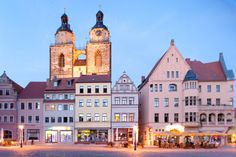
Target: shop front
{"type": "Point", "coordinates": [59, 135]}
{"type": "Point", "coordinates": [123, 136]}
{"type": "Point", "coordinates": [97, 136]}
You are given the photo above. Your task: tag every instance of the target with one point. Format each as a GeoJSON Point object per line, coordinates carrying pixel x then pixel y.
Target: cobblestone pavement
{"type": "Point", "coordinates": [103, 151]}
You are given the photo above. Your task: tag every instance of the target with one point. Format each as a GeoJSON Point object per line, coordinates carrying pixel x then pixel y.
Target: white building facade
{"type": "Point", "coordinates": [124, 111]}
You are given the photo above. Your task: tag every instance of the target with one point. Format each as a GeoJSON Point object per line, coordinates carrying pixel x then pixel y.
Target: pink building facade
{"type": "Point", "coordinates": [186, 97]}
{"type": "Point", "coordinates": [9, 91]}
{"type": "Point", "coordinates": [30, 112]}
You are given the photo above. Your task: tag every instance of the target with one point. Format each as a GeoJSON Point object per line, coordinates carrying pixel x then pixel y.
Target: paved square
{"type": "Point", "coordinates": [103, 151]}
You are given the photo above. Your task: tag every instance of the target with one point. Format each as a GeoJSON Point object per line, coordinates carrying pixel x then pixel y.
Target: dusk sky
{"type": "Point", "coordinates": [141, 31]}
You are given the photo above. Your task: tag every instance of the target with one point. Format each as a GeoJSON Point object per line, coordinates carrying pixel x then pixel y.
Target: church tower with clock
{"type": "Point", "coordinates": [65, 60]}
{"type": "Point", "coordinates": [99, 48]}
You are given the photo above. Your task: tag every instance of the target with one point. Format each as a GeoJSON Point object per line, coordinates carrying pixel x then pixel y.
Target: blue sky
{"type": "Point", "coordinates": [141, 31]}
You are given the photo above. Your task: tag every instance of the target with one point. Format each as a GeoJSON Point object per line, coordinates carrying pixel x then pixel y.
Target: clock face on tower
{"type": "Point", "coordinates": [99, 35]}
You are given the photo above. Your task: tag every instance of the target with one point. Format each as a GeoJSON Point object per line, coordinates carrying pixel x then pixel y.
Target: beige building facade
{"type": "Point", "coordinates": [93, 109]}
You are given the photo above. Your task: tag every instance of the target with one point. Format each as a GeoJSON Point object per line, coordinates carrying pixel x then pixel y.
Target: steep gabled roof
{"type": "Point", "coordinates": [34, 90]}
{"type": "Point", "coordinates": [16, 86]}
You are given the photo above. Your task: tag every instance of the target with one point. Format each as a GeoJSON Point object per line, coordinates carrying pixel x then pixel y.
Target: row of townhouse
{"type": "Point", "coordinates": [179, 97]}
{"type": "Point", "coordinates": [72, 110]}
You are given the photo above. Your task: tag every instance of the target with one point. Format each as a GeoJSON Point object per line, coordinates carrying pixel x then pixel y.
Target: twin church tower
{"type": "Point", "coordinates": [66, 61]}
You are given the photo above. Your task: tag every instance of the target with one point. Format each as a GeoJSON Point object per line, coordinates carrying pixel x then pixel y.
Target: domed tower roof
{"type": "Point", "coordinates": [65, 26]}
{"type": "Point", "coordinates": [99, 20]}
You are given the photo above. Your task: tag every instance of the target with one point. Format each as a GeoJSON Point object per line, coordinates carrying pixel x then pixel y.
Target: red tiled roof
{"type": "Point", "coordinates": [62, 84]}
{"type": "Point", "coordinates": [207, 71]}
{"type": "Point", "coordinates": [93, 79]}
{"type": "Point", "coordinates": [33, 90]}
{"type": "Point", "coordinates": [80, 62]}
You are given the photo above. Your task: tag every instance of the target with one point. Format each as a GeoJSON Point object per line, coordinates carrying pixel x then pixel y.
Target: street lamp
{"type": "Point", "coordinates": [21, 127]}
{"type": "Point", "coordinates": [135, 129]}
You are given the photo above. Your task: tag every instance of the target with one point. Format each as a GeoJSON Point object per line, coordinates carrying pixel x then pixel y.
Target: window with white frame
{"type": "Point", "coordinates": [59, 107]}
{"type": "Point", "coordinates": [81, 117]}
{"type": "Point", "coordinates": [81, 103]}
{"type": "Point", "coordinates": [89, 103]}
{"type": "Point", "coordinates": [124, 100]}
{"type": "Point", "coordinates": [104, 117]}
{"type": "Point", "coordinates": [37, 106]}
{"type": "Point", "coordinates": [89, 117]}
{"type": "Point", "coordinates": [156, 102]}
{"type": "Point", "coordinates": [96, 117]}
{"type": "Point", "coordinates": [123, 117]}
{"type": "Point", "coordinates": [96, 102]}
{"type": "Point", "coordinates": [166, 102]}
{"type": "Point", "coordinates": [131, 100]}
{"type": "Point", "coordinates": [117, 100]}
{"type": "Point", "coordinates": [104, 102]}
{"type": "Point", "coordinates": [71, 107]}
{"type": "Point", "coordinates": [176, 102]}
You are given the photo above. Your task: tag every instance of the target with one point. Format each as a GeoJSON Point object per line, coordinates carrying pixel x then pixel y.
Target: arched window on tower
{"type": "Point", "coordinates": [98, 59]}
{"type": "Point", "coordinates": [61, 60]}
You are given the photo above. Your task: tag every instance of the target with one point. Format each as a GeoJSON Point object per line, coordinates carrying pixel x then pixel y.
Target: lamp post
{"type": "Point", "coordinates": [135, 128]}
{"type": "Point", "coordinates": [21, 127]}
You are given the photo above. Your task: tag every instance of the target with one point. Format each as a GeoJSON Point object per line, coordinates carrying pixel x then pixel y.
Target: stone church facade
{"type": "Point", "coordinates": [65, 59]}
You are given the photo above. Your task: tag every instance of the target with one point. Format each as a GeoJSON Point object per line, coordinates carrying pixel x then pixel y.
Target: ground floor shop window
{"type": "Point", "coordinates": [7, 134]}
{"type": "Point", "coordinates": [92, 136]}
{"type": "Point", "coordinates": [123, 134]}
{"type": "Point", "coordinates": [33, 134]}
{"type": "Point", "coordinates": [51, 136]}
{"type": "Point", "coordinates": [66, 136]}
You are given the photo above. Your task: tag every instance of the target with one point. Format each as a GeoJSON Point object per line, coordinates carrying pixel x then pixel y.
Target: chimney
{"type": "Point", "coordinates": [172, 42]}
{"type": "Point", "coordinates": [187, 59]}
{"type": "Point", "coordinates": [47, 81]}
{"type": "Point", "coordinates": [142, 79]}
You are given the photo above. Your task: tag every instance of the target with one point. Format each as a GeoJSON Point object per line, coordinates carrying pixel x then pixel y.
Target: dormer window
{"type": "Point", "coordinates": [55, 83]}
{"type": "Point", "coordinates": [172, 87]}
{"type": "Point", "coordinates": [69, 82]}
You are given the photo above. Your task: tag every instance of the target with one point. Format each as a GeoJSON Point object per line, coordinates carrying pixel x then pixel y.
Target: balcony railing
{"type": "Point", "coordinates": [215, 106]}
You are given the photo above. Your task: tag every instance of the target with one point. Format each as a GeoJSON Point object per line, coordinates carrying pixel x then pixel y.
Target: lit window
{"type": "Point", "coordinates": [117, 117]}
{"type": "Point", "coordinates": [131, 117]}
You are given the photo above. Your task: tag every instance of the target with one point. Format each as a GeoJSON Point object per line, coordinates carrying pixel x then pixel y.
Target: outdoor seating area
{"type": "Point", "coordinates": [190, 142]}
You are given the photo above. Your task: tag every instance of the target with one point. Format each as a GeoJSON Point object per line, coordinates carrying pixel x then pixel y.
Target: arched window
{"type": "Point", "coordinates": [203, 117]}
{"type": "Point", "coordinates": [7, 134]}
{"type": "Point", "coordinates": [61, 60]}
{"type": "Point", "coordinates": [172, 87]}
{"type": "Point", "coordinates": [221, 117]}
{"type": "Point", "coordinates": [229, 117]}
{"type": "Point", "coordinates": [212, 118]}
{"type": "Point", "coordinates": [98, 59]}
